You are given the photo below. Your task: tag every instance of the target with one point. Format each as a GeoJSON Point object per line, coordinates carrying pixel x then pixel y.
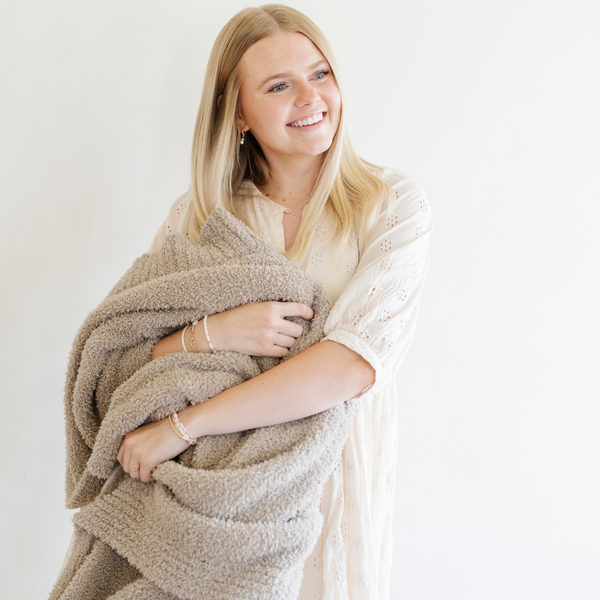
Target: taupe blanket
{"type": "Point", "coordinates": [233, 517]}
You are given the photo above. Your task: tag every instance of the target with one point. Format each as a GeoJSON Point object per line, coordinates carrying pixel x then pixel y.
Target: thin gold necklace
{"type": "Point", "coordinates": [284, 199]}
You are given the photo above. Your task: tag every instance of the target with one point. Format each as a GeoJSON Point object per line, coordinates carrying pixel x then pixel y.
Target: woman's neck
{"type": "Point", "coordinates": [292, 181]}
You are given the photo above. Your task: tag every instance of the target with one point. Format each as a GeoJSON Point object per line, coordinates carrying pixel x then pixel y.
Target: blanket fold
{"type": "Point", "coordinates": [236, 515]}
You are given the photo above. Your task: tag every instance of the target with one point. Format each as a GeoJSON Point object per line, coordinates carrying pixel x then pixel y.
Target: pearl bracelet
{"type": "Point", "coordinates": [183, 338]}
{"type": "Point", "coordinates": [207, 336]}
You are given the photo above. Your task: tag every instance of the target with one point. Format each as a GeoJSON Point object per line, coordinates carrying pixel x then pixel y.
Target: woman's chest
{"type": "Point", "coordinates": [330, 266]}
{"type": "Point", "coordinates": [291, 222]}
{"type": "Point", "coordinates": [333, 269]}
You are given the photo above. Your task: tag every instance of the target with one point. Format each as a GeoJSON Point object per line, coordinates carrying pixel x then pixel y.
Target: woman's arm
{"type": "Point", "coordinates": [314, 380]}
{"type": "Point", "coordinates": [257, 329]}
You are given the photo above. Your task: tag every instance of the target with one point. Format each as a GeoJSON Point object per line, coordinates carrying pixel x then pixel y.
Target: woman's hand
{"type": "Point", "coordinates": [258, 328]}
{"type": "Point", "coordinates": [147, 446]}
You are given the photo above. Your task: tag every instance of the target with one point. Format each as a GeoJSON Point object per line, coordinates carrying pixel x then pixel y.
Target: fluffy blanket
{"type": "Point", "coordinates": [233, 517]}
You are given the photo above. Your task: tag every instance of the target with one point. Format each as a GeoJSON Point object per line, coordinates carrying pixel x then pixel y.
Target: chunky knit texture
{"type": "Point", "coordinates": [233, 517]}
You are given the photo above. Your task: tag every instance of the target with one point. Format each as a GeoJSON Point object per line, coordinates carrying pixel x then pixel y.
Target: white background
{"type": "Point", "coordinates": [494, 107]}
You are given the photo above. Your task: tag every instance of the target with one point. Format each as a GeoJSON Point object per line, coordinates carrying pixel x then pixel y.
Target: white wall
{"type": "Point", "coordinates": [493, 107]}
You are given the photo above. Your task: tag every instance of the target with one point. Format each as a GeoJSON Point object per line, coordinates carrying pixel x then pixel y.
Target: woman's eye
{"type": "Point", "coordinates": [280, 86]}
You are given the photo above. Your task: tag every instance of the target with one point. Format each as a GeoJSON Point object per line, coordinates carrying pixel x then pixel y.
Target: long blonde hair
{"type": "Point", "coordinates": [348, 189]}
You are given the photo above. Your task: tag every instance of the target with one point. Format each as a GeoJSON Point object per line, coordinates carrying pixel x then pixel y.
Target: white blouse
{"type": "Point", "coordinates": [376, 297]}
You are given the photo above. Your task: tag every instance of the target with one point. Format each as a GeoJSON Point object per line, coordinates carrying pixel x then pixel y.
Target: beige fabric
{"type": "Point", "coordinates": [376, 294]}
{"type": "Point", "coordinates": [234, 516]}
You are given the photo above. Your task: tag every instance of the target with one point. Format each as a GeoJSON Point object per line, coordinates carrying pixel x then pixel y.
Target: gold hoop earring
{"type": "Point", "coordinates": [243, 136]}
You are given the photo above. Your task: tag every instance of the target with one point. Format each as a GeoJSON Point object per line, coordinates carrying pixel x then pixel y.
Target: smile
{"type": "Point", "coordinates": [308, 121]}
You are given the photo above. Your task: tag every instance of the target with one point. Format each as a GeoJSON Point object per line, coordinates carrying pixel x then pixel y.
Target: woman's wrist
{"type": "Point", "coordinates": [179, 429]}
{"type": "Point", "coordinates": [167, 345]}
{"type": "Point", "coordinates": [193, 418]}
{"type": "Point", "coordinates": [175, 342]}
{"type": "Point", "coordinates": [195, 340]}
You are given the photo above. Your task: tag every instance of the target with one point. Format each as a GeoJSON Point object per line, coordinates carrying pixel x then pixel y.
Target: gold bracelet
{"type": "Point", "coordinates": [192, 340]}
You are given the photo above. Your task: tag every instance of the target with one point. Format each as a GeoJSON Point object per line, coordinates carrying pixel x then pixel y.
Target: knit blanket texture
{"type": "Point", "coordinates": [236, 515]}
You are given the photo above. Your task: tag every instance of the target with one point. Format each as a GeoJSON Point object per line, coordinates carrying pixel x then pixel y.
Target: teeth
{"type": "Point", "coordinates": [309, 121]}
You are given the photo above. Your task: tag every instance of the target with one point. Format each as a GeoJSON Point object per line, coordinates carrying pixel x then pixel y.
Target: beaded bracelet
{"type": "Point", "coordinates": [183, 338]}
{"type": "Point", "coordinates": [207, 336]}
{"type": "Point", "coordinates": [180, 430]}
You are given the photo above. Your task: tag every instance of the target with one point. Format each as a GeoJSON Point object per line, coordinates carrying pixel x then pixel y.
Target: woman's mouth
{"type": "Point", "coordinates": [309, 122]}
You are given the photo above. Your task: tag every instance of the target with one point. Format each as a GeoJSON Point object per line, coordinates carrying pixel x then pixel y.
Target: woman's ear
{"type": "Point", "coordinates": [219, 101]}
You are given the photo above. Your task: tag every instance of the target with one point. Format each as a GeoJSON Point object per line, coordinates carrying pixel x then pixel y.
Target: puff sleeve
{"type": "Point", "coordinates": [177, 221]}
{"type": "Point", "coordinates": [376, 314]}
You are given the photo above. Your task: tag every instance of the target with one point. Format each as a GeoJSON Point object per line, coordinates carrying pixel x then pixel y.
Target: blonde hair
{"type": "Point", "coordinates": [348, 189]}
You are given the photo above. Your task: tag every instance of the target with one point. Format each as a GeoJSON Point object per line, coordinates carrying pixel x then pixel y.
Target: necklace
{"type": "Point", "coordinates": [284, 199]}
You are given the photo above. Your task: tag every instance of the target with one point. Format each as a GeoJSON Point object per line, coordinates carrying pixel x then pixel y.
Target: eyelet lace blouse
{"type": "Point", "coordinates": [376, 299]}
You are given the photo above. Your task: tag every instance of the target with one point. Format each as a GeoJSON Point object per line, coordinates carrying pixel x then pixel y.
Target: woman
{"type": "Point", "coordinates": [270, 146]}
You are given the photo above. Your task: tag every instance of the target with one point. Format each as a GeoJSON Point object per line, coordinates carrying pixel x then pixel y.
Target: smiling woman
{"type": "Point", "coordinates": [303, 105]}
{"type": "Point", "coordinates": [270, 148]}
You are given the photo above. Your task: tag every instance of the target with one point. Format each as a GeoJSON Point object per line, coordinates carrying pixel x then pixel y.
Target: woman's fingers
{"type": "Point", "coordinates": [134, 469]}
{"type": "Point", "coordinates": [285, 341]}
{"type": "Point", "coordinates": [255, 328]}
{"type": "Point", "coordinates": [292, 309]}
{"type": "Point", "coordinates": [126, 458]}
{"type": "Point", "coordinates": [146, 473]}
{"type": "Point", "coordinates": [131, 463]}
{"type": "Point", "coordinates": [133, 466]}
{"type": "Point", "coordinates": [295, 309]}
{"type": "Point", "coordinates": [148, 446]}
{"type": "Point", "coordinates": [289, 328]}
{"type": "Point", "coordinates": [125, 462]}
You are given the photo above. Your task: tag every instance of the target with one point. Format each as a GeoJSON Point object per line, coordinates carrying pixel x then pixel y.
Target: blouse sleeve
{"type": "Point", "coordinates": [376, 314]}
{"type": "Point", "coordinates": [177, 221]}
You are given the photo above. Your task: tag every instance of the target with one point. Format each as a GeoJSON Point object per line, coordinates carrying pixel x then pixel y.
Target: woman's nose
{"type": "Point", "coordinates": [306, 94]}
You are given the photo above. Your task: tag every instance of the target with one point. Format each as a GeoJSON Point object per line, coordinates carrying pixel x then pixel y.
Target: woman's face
{"type": "Point", "coordinates": [286, 80]}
